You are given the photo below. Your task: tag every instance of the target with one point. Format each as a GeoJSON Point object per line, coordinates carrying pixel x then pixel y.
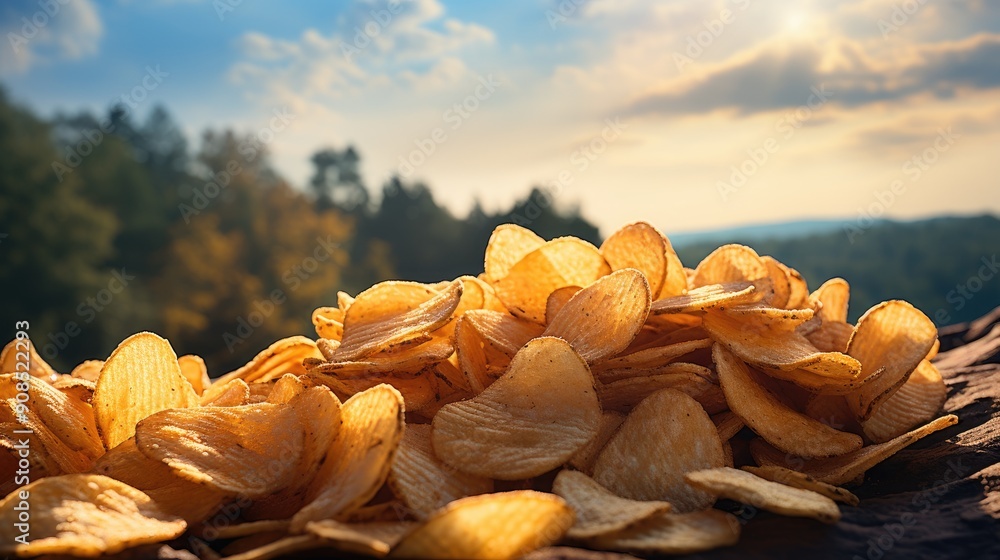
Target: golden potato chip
{"type": "Point", "coordinates": [71, 420]}
{"type": "Point", "coordinates": [766, 415]}
{"type": "Point", "coordinates": [557, 300]}
{"type": "Point", "coordinates": [602, 319]}
{"type": "Point", "coordinates": [642, 247]}
{"type": "Point", "coordinates": [831, 336]}
{"type": "Point", "coordinates": [83, 515]}
{"type": "Point", "coordinates": [17, 352]}
{"type": "Point", "coordinates": [188, 500]}
{"type": "Point", "coordinates": [76, 388]}
{"type": "Point", "coordinates": [730, 263]}
{"type": "Point", "coordinates": [778, 274]}
{"type": "Point", "coordinates": [624, 393]}
{"type": "Point", "coordinates": [530, 421]}
{"type": "Point", "coordinates": [329, 322]}
{"type": "Point", "coordinates": [749, 488]}
{"type": "Point", "coordinates": [89, 370]}
{"type": "Point", "coordinates": [833, 296]}
{"type": "Point", "coordinates": [269, 548]}
{"type": "Point", "coordinates": [285, 389]}
{"type": "Point", "coordinates": [56, 450]}
{"type": "Point", "coordinates": [501, 525]}
{"type": "Point", "coordinates": [251, 450]}
{"type": "Point", "coordinates": [141, 377]}
{"type": "Point", "coordinates": [566, 261]}
{"type": "Point", "coordinates": [419, 391]}
{"type": "Point", "coordinates": [676, 281]}
{"type": "Point", "coordinates": [364, 336]}
{"type": "Point", "coordinates": [774, 349]}
{"type": "Point", "coordinates": [284, 356]}
{"type": "Point", "coordinates": [890, 340]}
{"type": "Point", "coordinates": [799, 289]}
{"type": "Point", "coordinates": [670, 533]}
{"type": "Point", "coordinates": [788, 477]}
{"type": "Point", "coordinates": [368, 539]}
{"type": "Point", "coordinates": [728, 424]}
{"type": "Point", "coordinates": [846, 468]}
{"type": "Point", "coordinates": [665, 436]}
{"type": "Point", "coordinates": [193, 369]}
{"type": "Point", "coordinates": [234, 393]}
{"type": "Point", "coordinates": [251, 528]}
{"type": "Point", "coordinates": [646, 359]}
{"type": "Point", "coordinates": [706, 297]}
{"type": "Point", "coordinates": [598, 511]}
{"type": "Point", "coordinates": [423, 481]}
{"type": "Point", "coordinates": [772, 318]}
{"type": "Point", "coordinates": [39, 462]}
{"type": "Point", "coordinates": [358, 460]}
{"type": "Point", "coordinates": [584, 459]}
{"type": "Point", "coordinates": [917, 402]}
{"type": "Point", "coordinates": [508, 244]}
{"type": "Point", "coordinates": [502, 331]}
{"type": "Point", "coordinates": [405, 360]}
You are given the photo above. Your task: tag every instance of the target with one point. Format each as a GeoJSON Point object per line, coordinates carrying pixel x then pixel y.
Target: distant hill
{"type": "Point", "coordinates": [945, 266]}
{"type": "Point", "coordinates": [782, 230]}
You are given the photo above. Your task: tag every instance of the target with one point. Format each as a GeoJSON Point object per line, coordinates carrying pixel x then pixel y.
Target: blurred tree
{"type": "Point", "coordinates": [337, 180]}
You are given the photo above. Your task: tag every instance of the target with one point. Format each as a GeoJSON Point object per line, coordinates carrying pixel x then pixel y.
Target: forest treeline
{"type": "Point", "coordinates": [110, 225]}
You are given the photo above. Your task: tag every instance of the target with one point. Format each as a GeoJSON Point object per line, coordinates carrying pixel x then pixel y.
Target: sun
{"type": "Point", "coordinates": [795, 21]}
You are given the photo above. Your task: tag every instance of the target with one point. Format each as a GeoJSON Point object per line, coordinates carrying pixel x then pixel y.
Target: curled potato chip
{"type": "Point", "coordinates": [749, 488]}
{"type": "Point", "coordinates": [728, 424]}
{"type": "Point", "coordinates": [707, 297]}
{"type": "Point", "coordinates": [193, 369]}
{"type": "Point", "coordinates": [648, 358]}
{"type": "Point", "coordinates": [917, 402]}
{"type": "Point", "coordinates": [358, 460]}
{"type": "Point", "coordinates": [264, 546]}
{"type": "Point", "coordinates": [508, 244]}
{"type": "Point", "coordinates": [772, 318]}
{"type": "Point", "coordinates": [503, 332]}
{"type": "Point", "coordinates": [423, 481]}
{"type": "Point", "coordinates": [666, 435]}
{"type": "Point", "coordinates": [329, 322]}
{"type": "Point", "coordinates": [284, 356]}
{"type": "Point", "coordinates": [369, 539]}
{"type": "Point", "coordinates": [88, 369]}
{"type": "Point", "coordinates": [251, 528]}
{"type": "Point", "coordinates": [833, 296]}
{"type": "Point", "coordinates": [141, 377]}
{"type": "Point", "coordinates": [890, 340]}
{"type": "Point", "coordinates": [670, 533]}
{"type": "Point", "coordinates": [406, 360]}
{"type": "Point", "coordinates": [730, 263]}
{"type": "Point", "coordinates": [234, 393]}
{"type": "Point", "coordinates": [68, 419]}
{"type": "Point", "coordinates": [778, 274]}
{"type": "Point", "coordinates": [766, 415]}
{"type": "Point", "coordinates": [566, 261]}
{"type": "Point", "coordinates": [642, 247]}
{"type": "Point", "coordinates": [557, 300]}
{"type": "Point", "coordinates": [831, 336]}
{"type": "Point", "coordinates": [846, 468]}
{"type": "Point", "coordinates": [501, 525]}
{"type": "Point", "coordinates": [788, 477]}
{"type": "Point", "coordinates": [286, 388]}
{"type": "Point", "coordinates": [17, 352]}
{"type": "Point", "coordinates": [84, 515]}
{"type": "Point", "coordinates": [251, 450]}
{"type": "Point", "coordinates": [624, 393]}
{"type": "Point", "coordinates": [530, 421]}
{"type": "Point", "coordinates": [583, 460]}
{"type": "Point", "coordinates": [55, 451]}
{"type": "Point", "coordinates": [602, 319]}
{"type": "Point", "coordinates": [598, 510]}
{"type": "Point", "coordinates": [799, 289]}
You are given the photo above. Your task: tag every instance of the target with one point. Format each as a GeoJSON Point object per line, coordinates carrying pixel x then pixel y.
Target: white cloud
{"type": "Point", "coordinates": [34, 36]}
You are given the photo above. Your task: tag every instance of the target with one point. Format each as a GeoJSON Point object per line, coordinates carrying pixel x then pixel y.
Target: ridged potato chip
{"type": "Point", "coordinates": [251, 450]}
{"type": "Point", "coordinates": [194, 370]}
{"type": "Point", "coordinates": [584, 459]}
{"type": "Point", "coordinates": [602, 319]}
{"type": "Point", "coordinates": [264, 546]}
{"type": "Point", "coordinates": [730, 263]}
{"type": "Point", "coordinates": [665, 436]}
{"type": "Point", "coordinates": [749, 488]}
{"type": "Point", "coordinates": [833, 297]}
{"type": "Point", "coordinates": [917, 402]}
{"type": "Point", "coordinates": [286, 388]}
{"type": "Point", "coordinates": [84, 515]}
{"type": "Point", "coordinates": [501, 525]}
{"type": "Point", "coordinates": [670, 533]}
{"type": "Point", "coordinates": [281, 357]}
{"type": "Point", "coordinates": [140, 378]}
{"type": "Point", "coordinates": [358, 460]}
{"type": "Point", "coordinates": [623, 393]}
{"type": "Point", "coordinates": [37, 367]}
{"type": "Point", "coordinates": [778, 274]}
{"type": "Point", "coordinates": [788, 477]}
{"type": "Point", "coordinates": [728, 424]}
{"type": "Point", "coordinates": [890, 340]}
{"type": "Point", "coordinates": [642, 247]}
{"type": "Point", "coordinates": [707, 297]}
{"type": "Point", "coordinates": [236, 392]}
{"type": "Point", "coordinates": [405, 360]}
{"type": "Point", "coordinates": [88, 369]}
{"type": "Point", "coordinates": [368, 539]}
{"type": "Point", "coordinates": [508, 244]}
{"type": "Point", "coordinates": [635, 363]}
{"type": "Point", "coordinates": [556, 301]}
{"type": "Point", "coordinates": [68, 419]}
{"type": "Point", "coordinates": [423, 481]}
{"type": "Point", "coordinates": [530, 421]}
{"type": "Point", "coordinates": [598, 510]}
{"type": "Point", "coordinates": [770, 418]}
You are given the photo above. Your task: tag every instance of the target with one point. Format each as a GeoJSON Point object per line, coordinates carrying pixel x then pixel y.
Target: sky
{"type": "Point", "coordinates": [692, 115]}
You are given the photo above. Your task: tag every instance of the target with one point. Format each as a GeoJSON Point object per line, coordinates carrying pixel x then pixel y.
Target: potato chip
{"type": "Point", "coordinates": [21, 351]}
{"type": "Point", "coordinates": [84, 515]}
{"type": "Point", "coordinates": [234, 393]}
{"type": "Point", "coordinates": [530, 421]}
{"type": "Point", "coordinates": [665, 436]}
{"type": "Point", "coordinates": [368, 539]}
{"type": "Point", "coordinates": [833, 297]}
{"type": "Point", "coordinates": [501, 331]}
{"type": "Point", "coordinates": [598, 511]}
{"type": "Point", "coordinates": [917, 402]}
{"type": "Point", "coordinates": [88, 369]}
{"type": "Point", "coordinates": [890, 340]}
{"type": "Point", "coordinates": [766, 415]}
{"type": "Point", "coordinates": [772, 318]}
{"type": "Point", "coordinates": [730, 263]}
{"type": "Point", "coordinates": [749, 488]}
{"type": "Point", "coordinates": [69, 460]}
{"type": "Point", "coordinates": [357, 462]}
{"type": "Point", "coordinates": [728, 424]}
{"type": "Point", "coordinates": [284, 356]}
{"type": "Point", "coordinates": [788, 477]}
{"type": "Point", "coordinates": [602, 319]}
{"type": "Point", "coordinates": [282, 547]}
{"type": "Point", "coordinates": [670, 533]}
{"type": "Point", "coordinates": [71, 420]}
{"type": "Point", "coordinates": [676, 282]}
{"type": "Point", "coordinates": [286, 388]}
{"type": "Point", "coordinates": [405, 360]}
{"type": "Point", "coordinates": [141, 377]}
{"type": "Point", "coordinates": [798, 296]}
{"type": "Point", "coordinates": [508, 244]}
{"type": "Point", "coordinates": [648, 358]}
{"type": "Point", "coordinates": [707, 297]}
{"type": "Point", "coordinates": [193, 369]}
{"type": "Point", "coordinates": [329, 322]}
{"type": "Point", "coordinates": [778, 274]}
{"type": "Point", "coordinates": [423, 481]}
{"type": "Point", "coordinates": [846, 468]}
{"type": "Point", "coordinates": [188, 500]}
{"type": "Point", "coordinates": [639, 246]}
{"type": "Point", "coordinates": [624, 393]}
{"type": "Point", "coordinates": [831, 336]}
{"type": "Point", "coordinates": [251, 528]}
{"type": "Point", "coordinates": [40, 463]}
{"type": "Point", "coordinates": [251, 450]}
{"type": "Point", "coordinates": [557, 300]}
{"type": "Point", "coordinates": [773, 349]}
{"type": "Point", "coordinates": [566, 261]}
{"type": "Point", "coordinates": [584, 459]}
{"type": "Point", "coordinates": [419, 391]}
{"type": "Point", "coordinates": [501, 525]}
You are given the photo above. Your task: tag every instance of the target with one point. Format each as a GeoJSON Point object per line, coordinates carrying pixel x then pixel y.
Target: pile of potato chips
{"type": "Point", "coordinates": [605, 398]}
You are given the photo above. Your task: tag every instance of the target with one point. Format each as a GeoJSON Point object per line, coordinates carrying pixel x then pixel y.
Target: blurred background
{"type": "Point", "coordinates": [214, 170]}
